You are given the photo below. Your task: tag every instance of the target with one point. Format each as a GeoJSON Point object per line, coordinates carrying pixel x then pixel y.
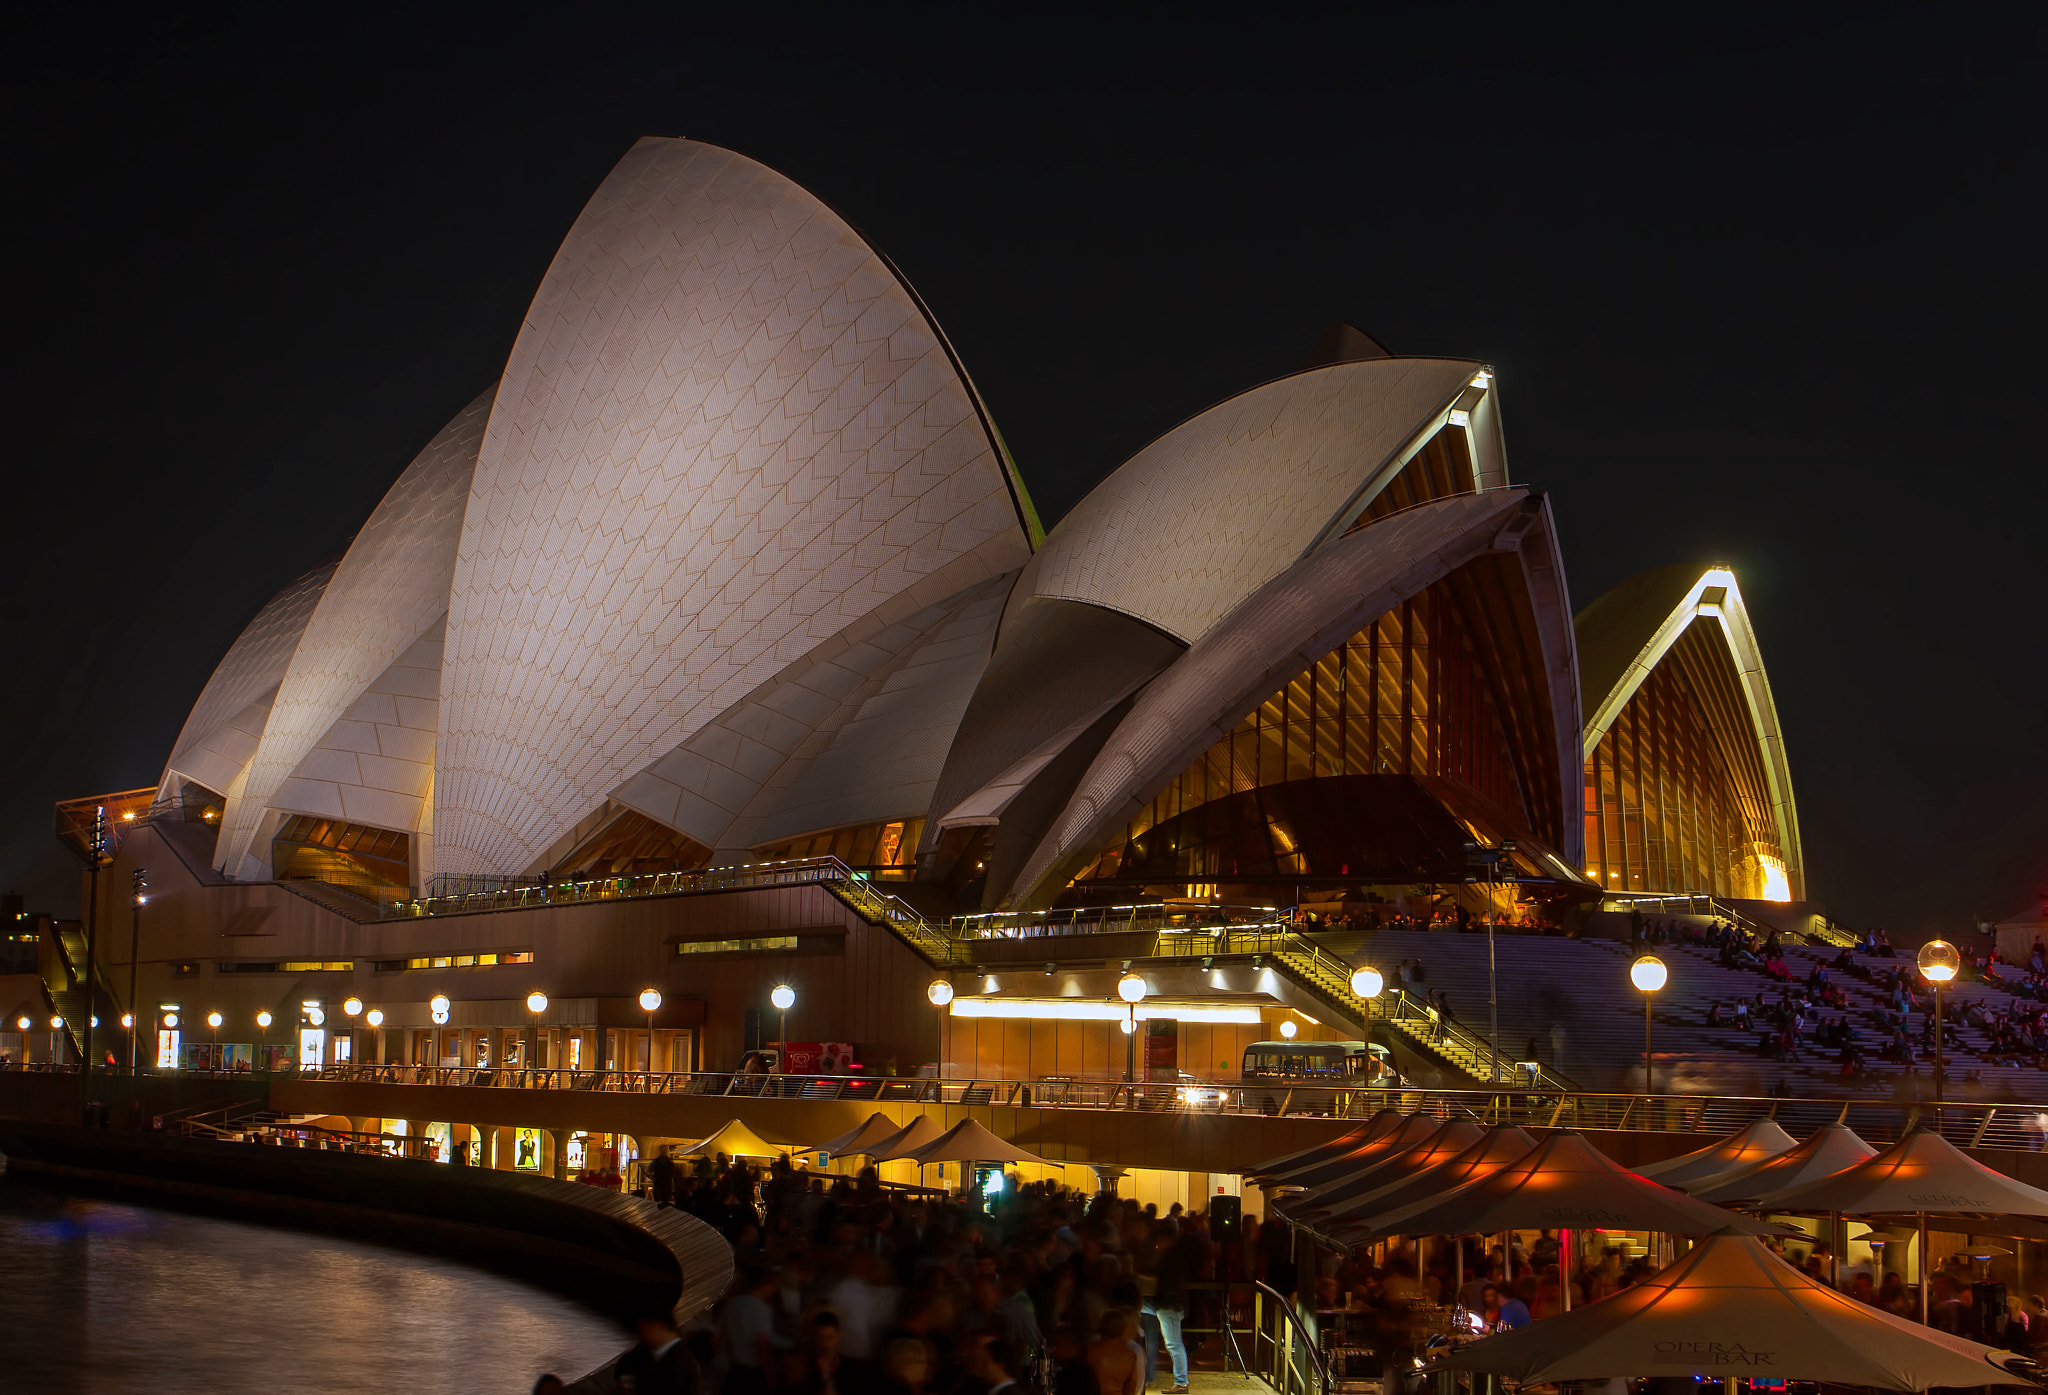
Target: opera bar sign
{"type": "Point", "coordinates": [1701, 1354]}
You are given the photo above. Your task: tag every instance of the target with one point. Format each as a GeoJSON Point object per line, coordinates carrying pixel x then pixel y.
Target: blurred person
{"type": "Point", "coordinates": [1113, 1358]}
{"type": "Point", "coordinates": [658, 1364]}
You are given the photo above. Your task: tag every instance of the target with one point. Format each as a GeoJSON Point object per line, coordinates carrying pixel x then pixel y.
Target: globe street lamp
{"type": "Point", "coordinates": [1648, 975]}
{"type": "Point", "coordinates": [650, 1003]}
{"type": "Point", "coordinates": [1367, 983]}
{"type": "Point", "coordinates": [536, 1003]}
{"type": "Point", "coordinates": [437, 1008]}
{"type": "Point", "coordinates": [1939, 963]}
{"type": "Point", "coordinates": [1131, 988]}
{"type": "Point", "coordinates": [352, 1006]}
{"type": "Point", "coordinates": [375, 1018]}
{"type": "Point", "coordinates": [940, 994]}
{"type": "Point", "coordinates": [784, 998]}
{"type": "Point", "coordinates": [263, 1020]}
{"type": "Point", "coordinates": [1288, 1029]}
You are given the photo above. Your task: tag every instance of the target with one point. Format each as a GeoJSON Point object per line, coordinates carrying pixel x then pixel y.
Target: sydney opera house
{"type": "Point", "coordinates": [730, 569]}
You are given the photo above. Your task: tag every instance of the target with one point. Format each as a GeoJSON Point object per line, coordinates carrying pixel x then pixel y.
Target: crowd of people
{"type": "Point", "coordinates": [847, 1287]}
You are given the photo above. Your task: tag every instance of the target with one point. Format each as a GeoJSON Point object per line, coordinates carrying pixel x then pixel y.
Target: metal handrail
{"type": "Point", "coordinates": [1968, 1124]}
{"type": "Point", "coordinates": [1306, 1338]}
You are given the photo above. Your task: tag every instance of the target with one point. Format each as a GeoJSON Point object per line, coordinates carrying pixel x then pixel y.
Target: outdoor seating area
{"type": "Point", "coordinates": [1546, 1261]}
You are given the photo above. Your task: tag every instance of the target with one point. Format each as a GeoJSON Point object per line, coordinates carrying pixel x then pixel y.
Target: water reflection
{"type": "Point", "coordinates": [101, 1297]}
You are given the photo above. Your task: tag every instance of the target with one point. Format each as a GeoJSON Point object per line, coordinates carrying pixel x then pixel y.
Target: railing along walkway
{"type": "Point", "coordinates": [1969, 1124]}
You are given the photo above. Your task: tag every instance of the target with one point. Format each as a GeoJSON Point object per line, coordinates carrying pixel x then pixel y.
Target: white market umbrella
{"type": "Point", "coordinates": [915, 1134]}
{"type": "Point", "coordinates": [1385, 1121]}
{"type": "Point", "coordinates": [1502, 1144]}
{"type": "Point", "coordinates": [1757, 1142]}
{"type": "Point", "coordinates": [735, 1140]}
{"type": "Point", "coordinates": [1440, 1147]}
{"type": "Point", "coordinates": [1922, 1175]}
{"type": "Point", "coordinates": [875, 1129]}
{"type": "Point", "coordinates": [1733, 1308]}
{"type": "Point", "coordinates": [1408, 1132]}
{"type": "Point", "coordinates": [1826, 1151]}
{"type": "Point", "coordinates": [1563, 1183]}
{"type": "Point", "coordinates": [969, 1142]}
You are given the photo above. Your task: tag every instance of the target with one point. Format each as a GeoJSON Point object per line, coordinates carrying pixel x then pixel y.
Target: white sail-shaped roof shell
{"type": "Point", "coordinates": [726, 433]}
{"type": "Point", "coordinates": [225, 726]}
{"type": "Point", "coordinates": [390, 589]}
{"type": "Point", "coordinates": [1220, 505]}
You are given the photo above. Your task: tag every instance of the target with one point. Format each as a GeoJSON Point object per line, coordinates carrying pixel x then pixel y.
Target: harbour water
{"type": "Point", "coordinates": [109, 1298]}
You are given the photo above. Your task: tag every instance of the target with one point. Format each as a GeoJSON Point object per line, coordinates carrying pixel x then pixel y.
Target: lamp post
{"type": "Point", "coordinates": [56, 1040]}
{"type": "Point", "coordinates": [1938, 963]}
{"type": "Point", "coordinates": [139, 887]}
{"type": "Point", "coordinates": [784, 998]}
{"type": "Point", "coordinates": [536, 1003]}
{"type": "Point", "coordinates": [1648, 974]}
{"type": "Point", "coordinates": [263, 1020]}
{"type": "Point", "coordinates": [437, 1008]}
{"type": "Point", "coordinates": [1131, 988]}
{"type": "Point", "coordinates": [940, 994]}
{"type": "Point", "coordinates": [92, 942]}
{"type": "Point", "coordinates": [213, 1021]}
{"type": "Point", "coordinates": [650, 1003]}
{"type": "Point", "coordinates": [352, 1007]}
{"type": "Point", "coordinates": [374, 1020]}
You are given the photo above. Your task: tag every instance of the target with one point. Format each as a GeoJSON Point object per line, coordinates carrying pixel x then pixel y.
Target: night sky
{"type": "Point", "coordinates": [1763, 285]}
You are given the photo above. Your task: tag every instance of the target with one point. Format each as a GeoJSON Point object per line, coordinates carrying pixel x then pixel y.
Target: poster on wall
{"type": "Point", "coordinates": [437, 1142]}
{"type": "Point", "coordinates": [578, 1145]}
{"type": "Point", "coordinates": [821, 1057]}
{"type": "Point", "coordinates": [528, 1154]}
{"type": "Point", "coordinates": [1162, 1048]}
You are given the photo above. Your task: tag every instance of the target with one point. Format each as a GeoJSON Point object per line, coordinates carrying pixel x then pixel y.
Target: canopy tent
{"type": "Point", "coordinates": [1826, 1151]}
{"type": "Point", "coordinates": [915, 1134]}
{"type": "Point", "coordinates": [1564, 1183]}
{"type": "Point", "coordinates": [1440, 1147]}
{"type": "Point", "coordinates": [873, 1130]}
{"type": "Point", "coordinates": [735, 1140]}
{"type": "Point", "coordinates": [1921, 1173]}
{"type": "Point", "coordinates": [1386, 1121]}
{"type": "Point", "coordinates": [968, 1141]}
{"type": "Point", "coordinates": [1757, 1142]}
{"type": "Point", "coordinates": [1731, 1307]}
{"type": "Point", "coordinates": [1494, 1151]}
{"type": "Point", "coordinates": [1926, 1177]}
{"type": "Point", "coordinates": [1410, 1131]}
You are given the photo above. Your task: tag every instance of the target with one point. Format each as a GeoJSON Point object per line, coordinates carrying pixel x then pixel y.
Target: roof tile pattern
{"type": "Point", "coordinates": [725, 433]}
{"type": "Point", "coordinates": [375, 764]}
{"type": "Point", "coordinates": [737, 770]}
{"type": "Point", "coordinates": [885, 762]}
{"type": "Point", "coordinates": [1218, 506]}
{"type": "Point", "coordinates": [248, 673]}
{"type": "Point", "coordinates": [390, 589]}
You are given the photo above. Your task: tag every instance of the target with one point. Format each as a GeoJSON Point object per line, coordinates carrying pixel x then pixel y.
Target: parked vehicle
{"type": "Point", "coordinates": [1341, 1063]}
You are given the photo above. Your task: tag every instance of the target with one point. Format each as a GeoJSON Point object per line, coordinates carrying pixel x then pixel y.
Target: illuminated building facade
{"type": "Point", "coordinates": [731, 567]}
{"type": "Point", "coordinates": [1687, 786]}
